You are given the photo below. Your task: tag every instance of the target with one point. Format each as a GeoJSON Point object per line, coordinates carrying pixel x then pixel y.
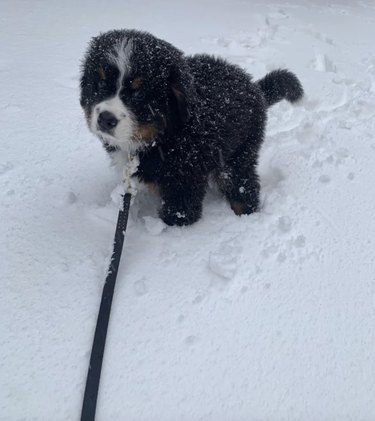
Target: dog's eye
{"type": "Point", "coordinates": [138, 95]}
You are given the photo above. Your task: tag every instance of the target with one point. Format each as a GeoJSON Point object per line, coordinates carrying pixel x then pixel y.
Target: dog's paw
{"type": "Point", "coordinates": [171, 216]}
{"type": "Point", "coordinates": [240, 208]}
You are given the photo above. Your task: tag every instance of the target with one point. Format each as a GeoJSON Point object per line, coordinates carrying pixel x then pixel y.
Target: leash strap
{"type": "Point", "coordinates": [97, 351]}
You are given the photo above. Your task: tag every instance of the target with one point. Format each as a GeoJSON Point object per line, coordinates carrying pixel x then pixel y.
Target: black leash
{"type": "Point", "coordinates": [97, 352]}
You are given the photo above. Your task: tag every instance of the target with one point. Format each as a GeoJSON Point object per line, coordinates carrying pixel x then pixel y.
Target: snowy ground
{"type": "Point", "coordinates": [265, 317]}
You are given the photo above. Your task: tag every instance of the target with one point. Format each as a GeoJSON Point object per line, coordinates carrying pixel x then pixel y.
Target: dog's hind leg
{"type": "Point", "coordinates": [239, 182]}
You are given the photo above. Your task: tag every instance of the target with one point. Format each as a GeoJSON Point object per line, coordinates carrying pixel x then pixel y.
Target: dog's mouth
{"type": "Point", "coordinates": [106, 138]}
{"type": "Point", "coordinates": [141, 137]}
{"type": "Point", "coordinates": [110, 148]}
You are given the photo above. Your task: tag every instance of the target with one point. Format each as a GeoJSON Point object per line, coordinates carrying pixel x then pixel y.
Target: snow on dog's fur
{"type": "Point", "coordinates": [186, 117]}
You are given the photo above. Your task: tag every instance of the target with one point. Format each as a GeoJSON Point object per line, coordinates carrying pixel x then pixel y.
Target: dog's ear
{"type": "Point", "coordinates": [181, 93]}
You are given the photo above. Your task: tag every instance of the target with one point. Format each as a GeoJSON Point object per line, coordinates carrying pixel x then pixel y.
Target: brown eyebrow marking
{"type": "Point", "coordinates": [101, 73]}
{"type": "Point", "coordinates": [136, 83]}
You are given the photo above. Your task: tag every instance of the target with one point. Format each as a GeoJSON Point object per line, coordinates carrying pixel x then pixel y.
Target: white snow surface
{"type": "Point", "coordinates": [263, 317]}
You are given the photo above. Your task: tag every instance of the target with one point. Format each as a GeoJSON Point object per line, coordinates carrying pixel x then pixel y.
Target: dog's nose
{"type": "Point", "coordinates": [107, 121]}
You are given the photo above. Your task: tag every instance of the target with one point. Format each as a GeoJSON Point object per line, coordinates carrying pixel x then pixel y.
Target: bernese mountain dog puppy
{"type": "Point", "coordinates": [185, 117]}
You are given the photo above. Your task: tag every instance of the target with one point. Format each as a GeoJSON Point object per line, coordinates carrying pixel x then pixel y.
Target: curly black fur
{"type": "Point", "coordinates": [208, 114]}
{"type": "Point", "coordinates": [281, 84]}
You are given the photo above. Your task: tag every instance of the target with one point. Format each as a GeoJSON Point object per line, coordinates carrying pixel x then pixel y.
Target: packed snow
{"type": "Point", "coordinates": [263, 317]}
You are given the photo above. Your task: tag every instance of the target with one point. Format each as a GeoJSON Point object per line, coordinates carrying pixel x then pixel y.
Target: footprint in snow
{"type": "Point", "coordinates": [324, 179]}
{"type": "Point", "coordinates": [224, 261]}
{"type": "Point", "coordinates": [5, 167]}
{"type": "Point", "coordinates": [284, 224]}
{"type": "Point", "coordinates": [11, 109]}
{"type": "Point", "coordinates": [322, 63]}
{"type": "Point", "coordinates": [140, 287]}
{"type": "Point", "coordinates": [191, 340]}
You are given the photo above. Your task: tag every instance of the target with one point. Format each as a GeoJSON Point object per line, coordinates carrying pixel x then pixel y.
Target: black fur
{"type": "Point", "coordinates": [210, 116]}
{"type": "Point", "coordinates": [281, 84]}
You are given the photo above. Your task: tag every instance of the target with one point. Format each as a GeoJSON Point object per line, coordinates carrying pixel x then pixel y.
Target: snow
{"type": "Point", "coordinates": [263, 317]}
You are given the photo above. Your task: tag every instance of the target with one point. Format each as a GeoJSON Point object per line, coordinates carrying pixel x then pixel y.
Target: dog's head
{"type": "Point", "coordinates": [134, 87]}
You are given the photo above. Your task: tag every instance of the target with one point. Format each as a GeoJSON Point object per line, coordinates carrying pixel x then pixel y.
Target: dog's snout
{"type": "Point", "coordinates": [107, 121]}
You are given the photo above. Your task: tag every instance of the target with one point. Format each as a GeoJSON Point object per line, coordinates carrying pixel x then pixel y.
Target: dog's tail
{"type": "Point", "coordinates": [280, 84]}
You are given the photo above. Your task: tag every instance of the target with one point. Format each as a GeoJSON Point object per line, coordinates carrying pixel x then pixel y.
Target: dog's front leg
{"type": "Point", "coordinates": [182, 201]}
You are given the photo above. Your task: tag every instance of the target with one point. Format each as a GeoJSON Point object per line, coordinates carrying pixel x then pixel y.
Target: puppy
{"type": "Point", "coordinates": [186, 117]}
